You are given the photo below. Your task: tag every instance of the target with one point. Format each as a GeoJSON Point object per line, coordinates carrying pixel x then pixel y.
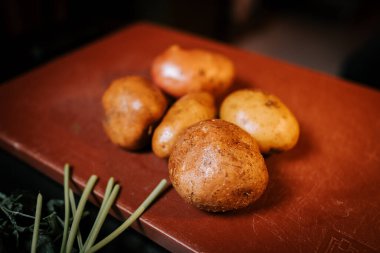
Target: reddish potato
{"type": "Point", "coordinates": [217, 166]}
{"type": "Point", "coordinates": [132, 105]}
{"type": "Point", "coordinates": [188, 110]}
{"type": "Point", "coordinates": [263, 116]}
{"type": "Point", "coordinates": [178, 71]}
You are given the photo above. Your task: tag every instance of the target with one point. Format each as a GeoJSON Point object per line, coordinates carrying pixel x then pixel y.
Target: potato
{"type": "Point", "coordinates": [188, 110]}
{"type": "Point", "coordinates": [263, 116]}
{"type": "Point", "coordinates": [132, 105]}
{"type": "Point", "coordinates": [217, 166]}
{"type": "Point", "coordinates": [178, 71]}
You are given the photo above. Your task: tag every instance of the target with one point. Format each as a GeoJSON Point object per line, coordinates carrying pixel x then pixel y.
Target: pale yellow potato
{"type": "Point", "coordinates": [186, 111]}
{"type": "Point", "coordinates": [132, 106]}
{"type": "Point", "coordinates": [264, 116]}
{"type": "Point", "coordinates": [179, 71]}
{"type": "Point", "coordinates": [217, 166]}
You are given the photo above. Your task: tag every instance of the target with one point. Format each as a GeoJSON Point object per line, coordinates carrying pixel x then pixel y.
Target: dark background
{"type": "Point", "coordinates": [35, 31]}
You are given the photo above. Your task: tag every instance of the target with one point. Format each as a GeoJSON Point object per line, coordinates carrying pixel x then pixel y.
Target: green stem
{"type": "Point", "coordinates": [131, 219]}
{"type": "Point", "coordinates": [16, 213]}
{"type": "Point", "coordinates": [7, 214]}
{"type": "Point", "coordinates": [74, 210]}
{"type": "Point", "coordinates": [67, 206]}
{"type": "Point", "coordinates": [36, 224]}
{"type": "Point", "coordinates": [107, 193]}
{"type": "Point", "coordinates": [60, 221]}
{"type": "Point", "coordinates": [78, 215]}
{"type": "Point", "coordinates": [102, 216]}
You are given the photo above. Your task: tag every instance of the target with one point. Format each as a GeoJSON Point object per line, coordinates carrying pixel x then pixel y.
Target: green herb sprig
{"type": "Point", "coordinates": [36, 223]}
{"type": "Point", "coordinates": [47, 231]}
{"type": "Point", "coordinates": [152, 196]}
{"type": "Point", "coordinates": [71, 231]}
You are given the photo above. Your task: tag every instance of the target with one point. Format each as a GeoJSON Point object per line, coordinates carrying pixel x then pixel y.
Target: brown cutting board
{"type": "Point", "coordinates": [323, 196]}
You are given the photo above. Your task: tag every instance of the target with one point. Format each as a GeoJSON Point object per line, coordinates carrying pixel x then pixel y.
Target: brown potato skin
{"type": "Point", "coordinates": [178, 71]}
{"type": "Point", "coordinates": [186, 111]}
{"type": "Point", "coordinates": [264, 116]}
{"type": "Point", "coordinates": [132, 105]}
{"type": "Point", "coordinates": [217, 166]}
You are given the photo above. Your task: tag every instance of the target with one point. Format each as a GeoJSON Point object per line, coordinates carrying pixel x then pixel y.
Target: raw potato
{"type": "Point", "coordinates": [263, 116]}
{"type": "Point", "coordinates": [217, 167]}
{"type": "Point", "coordinates": [188, 110]}
{"type": "Point", "coordinates": [132, 105]}
{"type": "Point", "coordinates": [178, 71]}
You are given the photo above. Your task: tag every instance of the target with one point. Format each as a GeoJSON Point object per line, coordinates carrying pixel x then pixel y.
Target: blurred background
{"type": "Point", "coordinates": [339, 37]}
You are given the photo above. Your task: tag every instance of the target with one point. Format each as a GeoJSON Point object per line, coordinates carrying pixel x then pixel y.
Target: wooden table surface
{"type": "Point", "coordinates": [323, 195]}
